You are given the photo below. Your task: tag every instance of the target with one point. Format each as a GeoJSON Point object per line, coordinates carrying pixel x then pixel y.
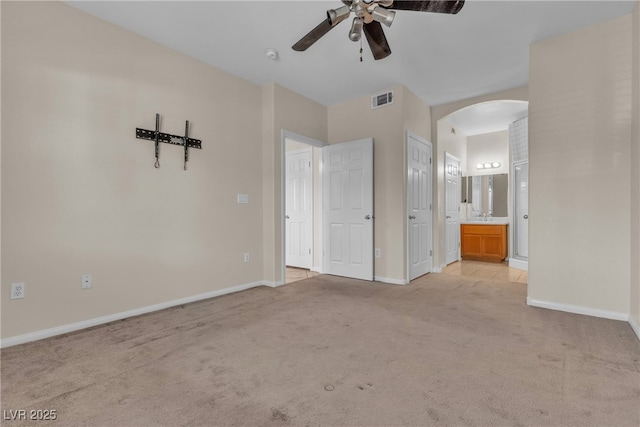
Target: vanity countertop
{"type": "Point", "coordinates": [486, 221]}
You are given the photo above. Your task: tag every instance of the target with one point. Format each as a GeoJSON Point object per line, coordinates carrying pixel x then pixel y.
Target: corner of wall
{"type": "Point", "coordinates": [268, 190]}
{"type": "Point", "coordinates": [283, 110]}
{"type": "Point", "coordinates": [635, 175]}
{"type": "Point", "coordinates": [573, 81]}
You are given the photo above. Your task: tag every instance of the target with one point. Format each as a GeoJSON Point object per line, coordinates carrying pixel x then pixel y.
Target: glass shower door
{"type": "Point", "coordinates": [521, 210]}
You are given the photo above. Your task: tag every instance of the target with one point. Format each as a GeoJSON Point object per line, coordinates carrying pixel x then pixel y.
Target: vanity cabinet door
{"type": "Point", "coordinates": [484, 242]}
{"type": "Point", "coordinates": [492, 247]}
{"type": "Point", "coordinates": [471, 245]}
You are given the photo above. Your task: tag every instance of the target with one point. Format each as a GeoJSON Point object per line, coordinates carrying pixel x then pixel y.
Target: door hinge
{"type": "Point", "coordinates": [429, 160]}
{"type": "Point", "coordinates": [309, 251]}
{"type": "Point", "coordinates": [430, 253]}
{"type": "Point", "coordinates": [309, 164]}
{"type": "Point", "coordinates": [430, 208]}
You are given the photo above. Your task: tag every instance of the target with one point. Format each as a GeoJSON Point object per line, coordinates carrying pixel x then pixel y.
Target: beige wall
{"type": "Point", "coordinates": [579, 133]}
{"type": "Point", "coordinates": [635, 174]}
{"type": "Point", "coordinates": [417, 115]}
{"type": "Point", "coordinates": [387, 125]}
{"type": "Point", "coordinates": [80, 194]}
{"type": "Point", "coordinates": [488, 147]}
{"type": "Point", "coordinates": [441, 135]}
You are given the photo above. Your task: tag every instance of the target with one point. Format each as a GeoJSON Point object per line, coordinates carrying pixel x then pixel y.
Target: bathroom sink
{"type": "Point", "coordinates": [487, 220]}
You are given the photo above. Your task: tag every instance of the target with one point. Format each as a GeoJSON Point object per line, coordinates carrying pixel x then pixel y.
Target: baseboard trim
{"type": "Point", "coordinates": [72, 327]}
{"type": "Point", "coordinates": [316, 269]}
{"type": "Point", "coordinates": [519, 264]}
{"type": "Point", "coordinates": [390, 280]}
{"type": "Point", "coordinates": [634, 325]}
{"type": "Point", "coordinates": [273, 284]}
{"type": "Point", "coordinates": [576, 309]}
{"type": "Point", "coordinates": [439, 269]}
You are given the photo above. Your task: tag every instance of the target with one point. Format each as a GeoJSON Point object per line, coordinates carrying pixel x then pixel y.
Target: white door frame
{"type": "Point", "coordinates": [421, 140]}
{"type": "Point", "coordinates": [284, 135]}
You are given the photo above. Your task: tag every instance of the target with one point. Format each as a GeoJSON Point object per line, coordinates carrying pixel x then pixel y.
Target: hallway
{"type": "Point", "coordinates": [486, 270]}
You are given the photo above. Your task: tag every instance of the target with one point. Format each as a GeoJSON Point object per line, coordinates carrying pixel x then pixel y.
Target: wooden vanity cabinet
{"type": "Point", "coordinates": [483, 242]}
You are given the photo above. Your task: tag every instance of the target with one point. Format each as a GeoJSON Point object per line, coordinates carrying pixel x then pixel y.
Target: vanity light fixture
{"type": "Point", "coordinates": [488, 165]}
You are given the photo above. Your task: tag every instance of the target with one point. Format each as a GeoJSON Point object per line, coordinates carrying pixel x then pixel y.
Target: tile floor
{"type": "Point", "coordinates": [486, 270]}
{"type": "Point", "coordinates": [294, 274]}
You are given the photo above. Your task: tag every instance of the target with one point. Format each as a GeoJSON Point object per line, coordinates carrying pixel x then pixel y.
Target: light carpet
{"type": "Point", "coordinates": [330, 351]}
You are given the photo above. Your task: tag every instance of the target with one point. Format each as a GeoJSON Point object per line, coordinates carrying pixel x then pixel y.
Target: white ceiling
{"type": "Point", "coordinates": [441, 58]}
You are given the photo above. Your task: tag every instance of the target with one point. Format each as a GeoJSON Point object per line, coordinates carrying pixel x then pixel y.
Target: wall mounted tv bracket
{"type": "Point", "coordinates": [159, 137]}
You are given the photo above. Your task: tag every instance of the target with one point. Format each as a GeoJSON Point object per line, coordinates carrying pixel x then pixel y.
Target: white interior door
{"type": "Point", "coordinates": [299, 208]}
{"type": "Point", "coordinates": [521, 200]}
{"type": "Point", "coordinates": [452, 208]}
{"type": "Point", "coordinates": [419, 203]}
{"type": "Point", "coordinates": [348, 209]}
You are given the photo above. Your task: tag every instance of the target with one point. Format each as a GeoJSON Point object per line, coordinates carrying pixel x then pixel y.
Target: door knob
{"type": "Point", "coordinates": [448, 217]}
{"type": "Point", "coordinates": [526, 217]}
{"type": "Point", "coordinates": [367, 217]}
{"type": "Point", "coordinates": [286, 217]}
{"type": "Point", "coordinates": [412, 217]}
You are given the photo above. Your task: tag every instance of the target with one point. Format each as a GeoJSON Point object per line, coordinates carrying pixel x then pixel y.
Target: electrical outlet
{"type": "Point", "coordinates": [86, 282]}
{"type": "Point", "coordinates": [17, 290]}
{"type": "Point", "coordinates": [247, 258]}
{"type": "Point", "coordinates": [378, 252]}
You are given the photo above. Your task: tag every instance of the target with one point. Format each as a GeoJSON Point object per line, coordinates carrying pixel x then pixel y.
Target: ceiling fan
{"type": "Point", "coordinates": [370, 14]}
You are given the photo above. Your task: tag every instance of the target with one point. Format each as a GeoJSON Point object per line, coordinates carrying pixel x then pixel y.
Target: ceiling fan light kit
{"type": "Point", "coordinates": [369, 17]}
{"type": "Point", "coordinates": [383, 15]}
{"type": "Point", "coordinates": [356, 30]}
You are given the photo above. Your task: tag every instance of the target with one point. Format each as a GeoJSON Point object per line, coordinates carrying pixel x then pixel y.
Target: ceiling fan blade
{"type": "Point", "coordinates": [377, 40]}
{"type": "Point", "coordinates": [313, 36]}
{"type": "Point", "coordinates": [436, 6]}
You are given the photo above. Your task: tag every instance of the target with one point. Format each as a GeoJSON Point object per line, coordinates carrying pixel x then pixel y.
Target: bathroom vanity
{"type": "Point", "coordinates": [483, 240]}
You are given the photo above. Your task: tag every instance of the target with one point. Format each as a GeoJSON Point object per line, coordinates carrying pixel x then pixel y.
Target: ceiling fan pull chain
{"type": "Point", "coordinates": [360, 50]}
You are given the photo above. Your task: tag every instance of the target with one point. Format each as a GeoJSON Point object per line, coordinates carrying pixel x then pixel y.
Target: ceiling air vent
{"type": "Point", "coordinates": [381, 100]}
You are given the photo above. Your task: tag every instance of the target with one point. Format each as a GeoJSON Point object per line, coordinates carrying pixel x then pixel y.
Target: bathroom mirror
{"type": "Point", "coordinates": [487, 194]}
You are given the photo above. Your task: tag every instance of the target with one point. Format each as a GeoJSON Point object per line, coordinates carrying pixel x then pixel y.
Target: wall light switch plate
{"type": "Point", "coordinates": [243, 198]}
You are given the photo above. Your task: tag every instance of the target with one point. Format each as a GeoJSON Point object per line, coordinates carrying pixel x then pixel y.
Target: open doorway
{"type": "Point", "coordinates": [302, 191]}
{"type": "Point", "coordinates": [342, 238]}
{"type": "Point", "coordinates": [299, 205]}
{"type": "Point", "coordinates": [481, 136]}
